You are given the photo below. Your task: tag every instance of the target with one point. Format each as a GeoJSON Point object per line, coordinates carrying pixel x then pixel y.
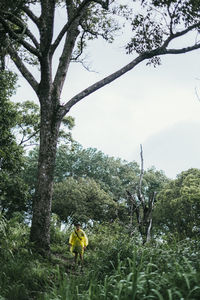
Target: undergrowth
{"type": "Point", "coordinates": [116, 266]}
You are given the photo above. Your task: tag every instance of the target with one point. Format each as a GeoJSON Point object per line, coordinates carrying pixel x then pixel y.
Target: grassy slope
{"type": "Point", "coordinates": [116, 267]}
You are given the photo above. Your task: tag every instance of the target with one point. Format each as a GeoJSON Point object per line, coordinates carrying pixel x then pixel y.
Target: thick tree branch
{"type": "Point", "coordinates": [31, 15]}
{"type": "Point", "coordinates": [22, 68]}
{"type": "Point", "coordinates": [71, 19]}
{"type": "Point", "coordinates": [70, 40]}
{"type": "Point", "coordinates": [59, 37]}
{"type": "Point", "coordinates": [146, 55]}
{"type": "Point", "coordinates": [91, 89]}
{"type": "Point", "coordinates": [46, 25]}
{"type": "Point", "coordinates": [33, 39]}
{"type": "Point", "coordinates": [65, 59]}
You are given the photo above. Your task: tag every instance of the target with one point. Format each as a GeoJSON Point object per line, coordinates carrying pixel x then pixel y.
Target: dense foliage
{"type": "Point", "coordinates": [87, 179]}
{"type": "Point", "coordinates": [82, 199]}
{"type": "Point", "coordinates": [178, 206]}
{"type": "Point", "coordinates": [116, 266]}
{"type": "Point", "coordinates": [10, 153]}
{"type": "Point", "coordinates": [13, 190]}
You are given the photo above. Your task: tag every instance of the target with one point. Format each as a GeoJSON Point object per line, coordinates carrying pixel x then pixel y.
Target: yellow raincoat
{"type": "Point", "coordinates": [78, 240]}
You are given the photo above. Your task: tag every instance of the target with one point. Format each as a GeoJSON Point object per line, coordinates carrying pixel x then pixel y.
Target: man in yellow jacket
{"type": "Point", "coordinates": [78, 241]}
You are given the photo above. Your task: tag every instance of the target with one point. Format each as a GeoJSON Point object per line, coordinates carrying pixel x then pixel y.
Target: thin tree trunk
{"type": "Point", "coordinates": [144, 214]}
{"type": "Point", "coordinates": [148, 238]}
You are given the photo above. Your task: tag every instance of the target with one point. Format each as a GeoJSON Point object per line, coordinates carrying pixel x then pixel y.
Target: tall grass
{"type": "Point", "coordinates": [116, 267]}
{"type": "Point", "coordinates": [135, 279]}
{"type": "Point", "coordinates": [125, 270]}
{"type": "Point", "coordinates": [23, 274]}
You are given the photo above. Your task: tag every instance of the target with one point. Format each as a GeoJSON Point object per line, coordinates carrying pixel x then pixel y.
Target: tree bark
{"type": "Point", "coordinates": [40, 229]}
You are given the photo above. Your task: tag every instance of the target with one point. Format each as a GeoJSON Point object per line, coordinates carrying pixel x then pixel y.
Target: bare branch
{"type": "Point", "coordinates": [182, 50]}
{"type": "Point", "coordinates": [179, 34]}
{"type": "Point", "coordinates": [23, 134]}
{"type": "Point", "coordinates": [85, 65]}
{"type": "Point", "coordinates": [71, 20]}
{"type": "Point", "coordinates": [149, 230]}
{"type": "Point", "coordinates": [170, 15]}
{"type": "Point", "coordinates": [33, 39]}
{"type": "Point", "coordinates": [81, 48]}
{"type": "Point", "coordinates": [30, 137]}
{"type": "Point", "coordinates": [59, 38]}
{"type": "Point", "coordinates": [31, 15]}
{"type": "Point", "coordinates": [91, 89]}
{"type": "Point", "coordinates": [141, 169]}
{"type": "Point", "coordinates": [146, 55]}
{"type": "Point", "coordinates": [31, 145]}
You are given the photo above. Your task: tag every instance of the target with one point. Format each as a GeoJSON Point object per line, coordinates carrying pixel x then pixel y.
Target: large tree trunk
{"type": "Point", "coordinates": [52, 113]}
{"type": "Point", "coordinates": [40, 229]}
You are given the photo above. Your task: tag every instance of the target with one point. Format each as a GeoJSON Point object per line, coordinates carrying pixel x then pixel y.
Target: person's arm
{"type": "Point", "coordinates": [71, 239]}
{"type": "Point", "coordinates": [85, 240]}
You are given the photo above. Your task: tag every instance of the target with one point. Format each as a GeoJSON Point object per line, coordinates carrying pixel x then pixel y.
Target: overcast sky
{"type": "Point", "coordinates": [155, 107]}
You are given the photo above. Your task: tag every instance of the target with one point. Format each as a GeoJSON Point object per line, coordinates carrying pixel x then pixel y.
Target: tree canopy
{"type": "Point", "coordinates": [113, 174]}
{"type": "Point", "coordinates": [82, 200]}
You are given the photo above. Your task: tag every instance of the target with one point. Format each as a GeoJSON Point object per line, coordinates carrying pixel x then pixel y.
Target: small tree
{"type": "Point", "coordinates": [153, 30]}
